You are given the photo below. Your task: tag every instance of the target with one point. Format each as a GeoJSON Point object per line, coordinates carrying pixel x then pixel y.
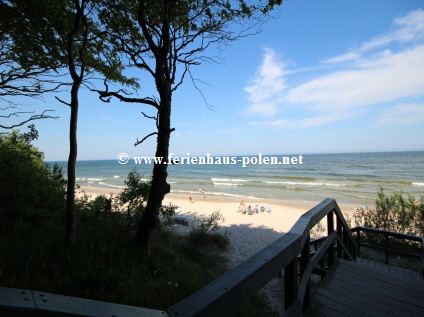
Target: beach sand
{"type": "Point", "coordinates": [248, 234]}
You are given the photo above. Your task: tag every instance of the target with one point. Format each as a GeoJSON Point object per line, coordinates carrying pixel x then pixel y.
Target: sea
{"type": "Point", "coordinates": [353, 178]}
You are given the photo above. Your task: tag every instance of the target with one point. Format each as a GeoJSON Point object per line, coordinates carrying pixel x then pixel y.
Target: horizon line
{"type": "Point", "coordinates": [292, 154]}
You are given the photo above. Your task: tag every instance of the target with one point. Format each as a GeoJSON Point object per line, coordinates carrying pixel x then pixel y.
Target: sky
{"type": "Point", "coordinates": [325, 76]}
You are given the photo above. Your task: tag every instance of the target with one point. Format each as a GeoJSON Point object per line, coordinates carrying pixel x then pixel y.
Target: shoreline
{"type": "Point", "coordinates": [95, 190]}
{"type": "Point", "coordinates": [283, 216]}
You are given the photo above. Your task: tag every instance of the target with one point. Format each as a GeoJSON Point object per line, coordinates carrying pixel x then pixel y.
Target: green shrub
{"type": "Point", "coordinates": [397, 212]}
{"type": "Point", "coordinates": [29, 188]}
{"type": "Point", "coordinates": [203, 233]}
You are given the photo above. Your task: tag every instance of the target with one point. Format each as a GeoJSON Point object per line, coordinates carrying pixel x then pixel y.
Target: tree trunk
{"type": "Point", "coordinates": [70, 192]}
{"type": "Point", "coordinates": [159, 186]}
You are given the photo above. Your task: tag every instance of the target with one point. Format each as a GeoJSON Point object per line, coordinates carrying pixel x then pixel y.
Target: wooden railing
{"type": "Point", "coordinates": [291, 254]}
{"type": "Point", "coordinates": [387, 246]}
{"type": "Point", "coordinates": [21, 302]}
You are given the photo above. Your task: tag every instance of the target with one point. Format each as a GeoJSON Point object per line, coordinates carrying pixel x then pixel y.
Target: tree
{"type": "Point", "coordinates": [28, 67]}
{"type": "Point", "coordinates": [28, 187]}
{"type": "Point", "coordinates": [87, 52]}
{"type": "Point", "coordinates": [71, 41]}
{"type": "Point", "coordinates": [163, 39]}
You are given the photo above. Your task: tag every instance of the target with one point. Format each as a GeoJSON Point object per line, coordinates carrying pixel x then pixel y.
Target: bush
{"type": "Point", "coordinates": [395, 213]}
{"type": "Point", "coordinates": [28, 187]}
{"type": "Point", "coordinates": [204, 232]}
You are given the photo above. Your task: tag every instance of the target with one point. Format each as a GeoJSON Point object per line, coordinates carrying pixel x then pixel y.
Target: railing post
{"type": "Point", "coordinates": [340, 234]}
{"type": "Point", "coordinates": [422, 258]}
{"type": "Point", "coordinates": [304, 260]}
{"type": "Point", "coordinates": [346, 242]}
{"type": "Point", "coordinates": [330, 229]}
{"type": "Point", "coordinates": [386, 249]}
{"type": "Point", "coordinates": [290, 283]}
{"type": "Point", "coordinates": [358, 242]}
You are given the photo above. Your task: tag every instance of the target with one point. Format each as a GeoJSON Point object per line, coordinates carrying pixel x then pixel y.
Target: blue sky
{"type": "Point", "coordinates": [324, 76]}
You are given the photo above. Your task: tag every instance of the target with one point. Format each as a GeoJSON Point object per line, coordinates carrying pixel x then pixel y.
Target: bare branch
{"type": "Point", "coordinates": [145, 138]}
{"type": "Point", "coordinates": [193, 80]}
{"type": "Point", "coordinates": [64, 102]}
{"type": "Point", "coordinates": [32, 118]}
{"type": "Point", "coordinates": [149, 117]}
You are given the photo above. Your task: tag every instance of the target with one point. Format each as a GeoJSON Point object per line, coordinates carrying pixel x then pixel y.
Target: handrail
{"type": "Point", "coordinates": [224, 295]}
{"type": "Point", "coordinates": [21, 302]}
{"type": "Point", "coordinates": [387, 248]}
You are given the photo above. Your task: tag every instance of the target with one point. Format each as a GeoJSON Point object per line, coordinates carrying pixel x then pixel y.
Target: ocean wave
{"type": "Point", "coordinates": [297, 189]}
{"type": "Point", "coordinates": [226, 184]}
{"type": "Point", "coordinates": [229, 180]}
{"type": "Point", "coordinates": [90, 179]}
{"type": "Point", "coordinates": [213, 194]}
{"type": "Point", "coordinates": [116, 176]}
{"type": "Point", "coordinates": [417, 184]}
{"type": "Point", "coordinates": [110, 185]}
{"type": "Point", "coordinates": [306, 183]}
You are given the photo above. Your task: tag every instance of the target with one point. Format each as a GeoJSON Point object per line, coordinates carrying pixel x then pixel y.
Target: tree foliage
{"type": "Point", "coordinates": [163, 40]}
{"type": "Point", "coordinates": [397, 212]}
{"type": "Point", "coordinates": [28, 187]}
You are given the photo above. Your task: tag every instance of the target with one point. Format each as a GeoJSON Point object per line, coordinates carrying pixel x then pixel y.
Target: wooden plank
{"type": "Point", "coordinates": [370, 278]}
{"type": "Point", "coordinates": [365, 308]}
{"type": "Point", "coordinates": [374, 273]}
{"type": "Point", "coordinates": [290, 284]}
{"type": "Point", "coordinates": [389, 233]}
{"type": "Point", "coordinates": [383, 290]}
{"type": "Point", "coordinates": [59, 305]}
{"type": "Point", "coordinates": [339, 307]}
{"type": "Point", "coordinates": [376, 295]}
{"type": "Point", "coordinates": [387, 305]}
{"type": "Point", "coordinates": [385, 268]}
{"type": "Point", "coordinates": [318, 309]}
{"type": "Point", "coordinates": [16, 302]}
{"type": "Point", "coordinates": [408, 273]}
{"type": "Point", "coordinates": [378, 265]}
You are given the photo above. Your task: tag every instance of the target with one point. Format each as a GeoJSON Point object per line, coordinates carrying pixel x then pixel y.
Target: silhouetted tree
{"type": "Point", "coordinates": [28, 60]}
{"type": "Point", "coordinates": [87, 51]}
{"type": "Point", "coordinates": [68, 42]}
{"type": "Point", "coordinates": [163, 39]}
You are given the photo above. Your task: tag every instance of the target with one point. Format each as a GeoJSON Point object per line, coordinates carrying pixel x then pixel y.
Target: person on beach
{"type": "Point", "coordinates": [249, 210]}
{"type": "Point", "coordinates": [242, 207]}
{"type": "Point", "coordinates": [190, 198]}
{"type": "Point", "coordinates": [203, 193]}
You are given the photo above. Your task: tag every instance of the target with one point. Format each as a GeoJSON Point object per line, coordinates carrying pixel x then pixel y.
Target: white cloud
{"type": "Point", "coordinates": [388, 78]}
{"type": "Point", "coordinates": [268, 85]}
{"type": "Point", "coordinates": [278, 124]}
{"type": "Point", "coordinates": [407, 29]}
{"type": "Point", "coordinates": [347, 57]}
{"type": "Point", "coordinates": [303, 123]}
{"type": "Point", "coordinates": [376, 78]}
{"type": "Point", "coordinates": [402, 114]}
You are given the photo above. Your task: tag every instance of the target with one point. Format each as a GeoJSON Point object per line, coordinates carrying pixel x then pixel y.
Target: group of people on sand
{"type": "Point", "coordinates": [361, 211]}
{"type": "Point", "coordinates": [256, 209]}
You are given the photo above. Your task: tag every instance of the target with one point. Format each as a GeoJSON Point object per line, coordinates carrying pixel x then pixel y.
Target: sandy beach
{"type": "Point", "coordinates": [284, 212]}
{"type": "Point", "coordinates": [248, 233]}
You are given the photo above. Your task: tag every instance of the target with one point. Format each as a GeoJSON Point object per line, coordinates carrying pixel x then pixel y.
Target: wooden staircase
{"type": "Point", "coordinates": [357, 289]}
